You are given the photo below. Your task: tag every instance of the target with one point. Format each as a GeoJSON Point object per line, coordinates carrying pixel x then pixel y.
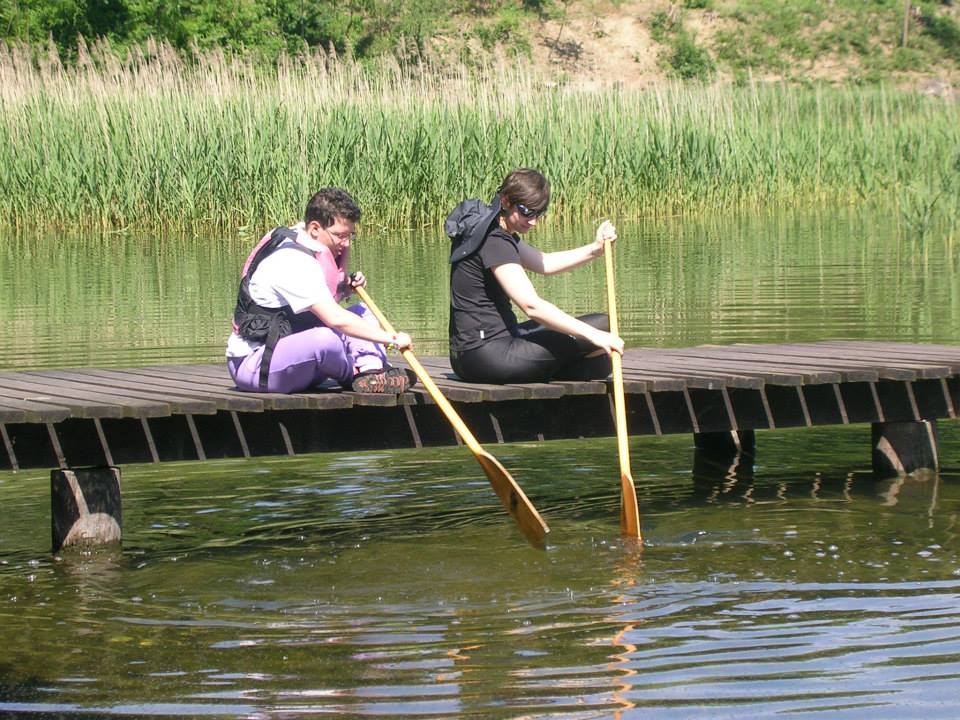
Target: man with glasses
{"type": "Point", "coordinates": [489, 265]}
{"type": "Point", "coordinates": [289, 330]}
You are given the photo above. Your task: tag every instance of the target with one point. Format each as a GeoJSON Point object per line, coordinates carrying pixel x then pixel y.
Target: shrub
{"type": "Point", "coordinates": [945, 30]}
{"type": "Point", "coordinates": [688, 60]}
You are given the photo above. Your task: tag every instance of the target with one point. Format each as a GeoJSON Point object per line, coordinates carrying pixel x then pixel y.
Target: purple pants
{"type": "Point", "coordinates": [307, 358]}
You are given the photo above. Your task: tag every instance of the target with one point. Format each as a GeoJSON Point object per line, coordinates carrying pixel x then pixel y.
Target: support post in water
{"type": "Point", "coordinates": [85, 506]}
{"type": "Point", "coordinates": [726, 444]}
{"type": "Point", "coordinates": [724, 455]}
{"type": "Point", "coordinates": [900, 448]}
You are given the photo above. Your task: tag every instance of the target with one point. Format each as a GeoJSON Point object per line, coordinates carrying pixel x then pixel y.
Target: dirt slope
{"type": "Point", "coordinates": [601, 42]}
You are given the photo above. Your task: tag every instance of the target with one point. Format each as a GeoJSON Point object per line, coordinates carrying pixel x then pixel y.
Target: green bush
{"type": "Point", "coordinates": [662, 25]}
{"type": "Point", "coordinates": [262, 30]}
{"type": "Point", "coordinates": [688, 60]}
{"type": "Point", "coordinates": [945, 30]}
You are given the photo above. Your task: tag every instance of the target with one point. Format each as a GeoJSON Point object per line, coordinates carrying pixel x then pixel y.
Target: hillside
{"type": "Point", "coordinates": [644, 42]}
{"type": "Point", "coordinates": [583, 42]}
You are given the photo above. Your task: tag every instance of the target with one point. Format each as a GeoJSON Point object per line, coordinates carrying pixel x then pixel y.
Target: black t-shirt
{"type": "Point", "coordinates": [480, 310]}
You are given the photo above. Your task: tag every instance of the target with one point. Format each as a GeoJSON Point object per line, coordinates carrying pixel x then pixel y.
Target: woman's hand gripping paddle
{"type": "Point", "coordinates": [629, 512]}
{"type": "Point", "coordinates": [511, 496]}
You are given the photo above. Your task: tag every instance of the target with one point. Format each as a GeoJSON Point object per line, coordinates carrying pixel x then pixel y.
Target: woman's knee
{"type": "Point", "coordinates": [601, 321]}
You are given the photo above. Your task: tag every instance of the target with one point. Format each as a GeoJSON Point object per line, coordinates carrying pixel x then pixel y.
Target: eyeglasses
{"type": "Point", "coordinates": [527, 212]}
{"type": "Point", "coordinates": [342, 236]}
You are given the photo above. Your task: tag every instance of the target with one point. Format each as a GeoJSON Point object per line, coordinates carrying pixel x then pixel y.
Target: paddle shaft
{"type": "Point", "coordinates": [629, 511]}
{"type": "Point", "coordinates": [511, 495]}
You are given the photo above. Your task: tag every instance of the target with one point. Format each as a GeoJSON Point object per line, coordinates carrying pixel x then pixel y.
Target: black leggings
{"type": "Point", "coordinates": [534, 354]}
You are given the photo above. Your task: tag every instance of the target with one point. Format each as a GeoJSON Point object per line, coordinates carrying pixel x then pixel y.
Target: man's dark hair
{"type": "Point", "coordinates": [328, 204]}
{"type": "Point", "coordinates": [526, 186]}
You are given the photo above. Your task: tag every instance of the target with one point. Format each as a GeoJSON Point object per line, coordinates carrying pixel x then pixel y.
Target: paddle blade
{"type": "Point", "coordinates": [514, 500]}
{"type": "Point", "coordinates": [629, 507]}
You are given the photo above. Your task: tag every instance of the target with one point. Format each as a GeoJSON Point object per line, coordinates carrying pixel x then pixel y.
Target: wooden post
{"type": "Point", "coordinates": [723, 456]}
{"type": "Point", "coordinates": [906, 23]}
{"type": "Point", "coordinates": [900, 448]}
{"type": "Point", "coordinates": [727, 444]}
{"type": "Point", "coordinates": [85, 506]}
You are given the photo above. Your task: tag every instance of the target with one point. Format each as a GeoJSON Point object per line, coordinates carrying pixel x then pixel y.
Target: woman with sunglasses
{"type": "Point", "coordinates": [489, 265]}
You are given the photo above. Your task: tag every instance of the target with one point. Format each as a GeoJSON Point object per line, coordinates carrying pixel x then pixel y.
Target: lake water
{"type": "Point", "coordinates": [392, 584]}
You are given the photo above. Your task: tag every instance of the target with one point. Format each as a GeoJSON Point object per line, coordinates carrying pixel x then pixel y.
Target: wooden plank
{"type": "Point", "coordinates": [654, 382]}
{"type": "Point", "coordinates": [225, 392]}
{"type": "Point", "coordinates": [583, 387]}
{"type": "Point", "coordinates": [82, 402]}
{"type": "Point", "coordinates": [34, 411]}
{"type": "Point", "coordinates": [136, 384]}
{"type": "Point", "coordinates": [786, 354]}
{"type": "Point", "coordinates": [328, 396]}
{"type": "Point", "coordinates": [207, 382]}
{"type": "Point", "coordinates": [453, 390]}
{"type": "Point", "coordinates": [373, 399]}
{"type": "Point", "coordinates": [877, 357]}
{"type": "Point", "coordinates": [916, 349]}
{"type": "Point", "coordinates": [205, 370]}
{"type": "Point", "coordinates": [760, 359]}
{"type": "Point", "coordinates": [313, 396]}
{"type": "Point", "coordinates": [9, 414]}
{"type": "Point", "coordinates": [631, 386]}
{"type": "Point", "coordinates": [217, 376]}
{"type": "Point", "coordinates": [899, 353]}
{"type": "Point", "coordinates": [695, 375]}
{"type": "Point", "coordinates": [61, 383]}
{"type": "Point", "coordinates": [736, 373]}
{"type": "Point", "coordinates": [491, 393]}
{"type": "Point", "coordinates": [849, 371]}
{"type": "Point", "coordinates": [531, 391]}
{"type": "Point", "coordinates": [758, 364]}
{"type": "Point", "coordinates": [539, 390]}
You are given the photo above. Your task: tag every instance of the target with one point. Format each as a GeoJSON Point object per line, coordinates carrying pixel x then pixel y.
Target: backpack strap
{"type": "Point", "coordinates": [279, 324]}
{"type": "Point", "coordinates": [273, 336]}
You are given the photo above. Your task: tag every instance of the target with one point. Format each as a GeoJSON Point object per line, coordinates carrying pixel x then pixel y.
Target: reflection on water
{"type": "Point", "coordinates": [126, 300]}
{"type": "Point", "coordinates": [393, 585]}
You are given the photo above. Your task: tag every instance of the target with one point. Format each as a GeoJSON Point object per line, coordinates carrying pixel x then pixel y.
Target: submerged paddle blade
{"type": "Point", "coordinates": [629, 508]}
{"type": "Point", "coordinates": [514, 500]}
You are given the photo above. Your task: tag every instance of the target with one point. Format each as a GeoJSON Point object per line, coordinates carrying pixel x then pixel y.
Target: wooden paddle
{"type": "Point", "coordinates": [511, 496]}
{"type": "Point", "coordinates": [629, 512]}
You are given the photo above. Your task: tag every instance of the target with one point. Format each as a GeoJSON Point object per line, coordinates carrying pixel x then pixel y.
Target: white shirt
{"type": "Point", "coordinates": [285, 277]}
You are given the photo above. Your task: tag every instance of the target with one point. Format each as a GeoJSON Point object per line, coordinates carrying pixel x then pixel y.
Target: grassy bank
{"type": "Point", "coordinates": [154, 142]}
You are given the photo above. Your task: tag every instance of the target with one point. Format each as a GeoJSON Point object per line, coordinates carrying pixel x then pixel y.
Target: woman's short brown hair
{"type": "Point", "coordinates": [528, 187]}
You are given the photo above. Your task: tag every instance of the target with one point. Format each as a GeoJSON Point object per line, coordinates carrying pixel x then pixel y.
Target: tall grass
{"type": "Point", "coordinates": [155, 141]}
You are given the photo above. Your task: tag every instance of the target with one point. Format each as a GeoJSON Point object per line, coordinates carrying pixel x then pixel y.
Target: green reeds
{"type": "Point", "coordinates": [158, 142]}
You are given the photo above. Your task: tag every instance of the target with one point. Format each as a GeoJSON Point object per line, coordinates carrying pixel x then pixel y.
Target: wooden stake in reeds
{"type": "Point", "coordinates": [906, 23]}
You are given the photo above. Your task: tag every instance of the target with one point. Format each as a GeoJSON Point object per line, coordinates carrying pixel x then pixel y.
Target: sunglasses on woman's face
{"type": "Point", "coordinates": [527, 212]}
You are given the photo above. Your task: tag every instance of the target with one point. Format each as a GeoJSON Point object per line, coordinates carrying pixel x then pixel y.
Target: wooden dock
{"type": "Point", "coordinates": [719, 394]}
